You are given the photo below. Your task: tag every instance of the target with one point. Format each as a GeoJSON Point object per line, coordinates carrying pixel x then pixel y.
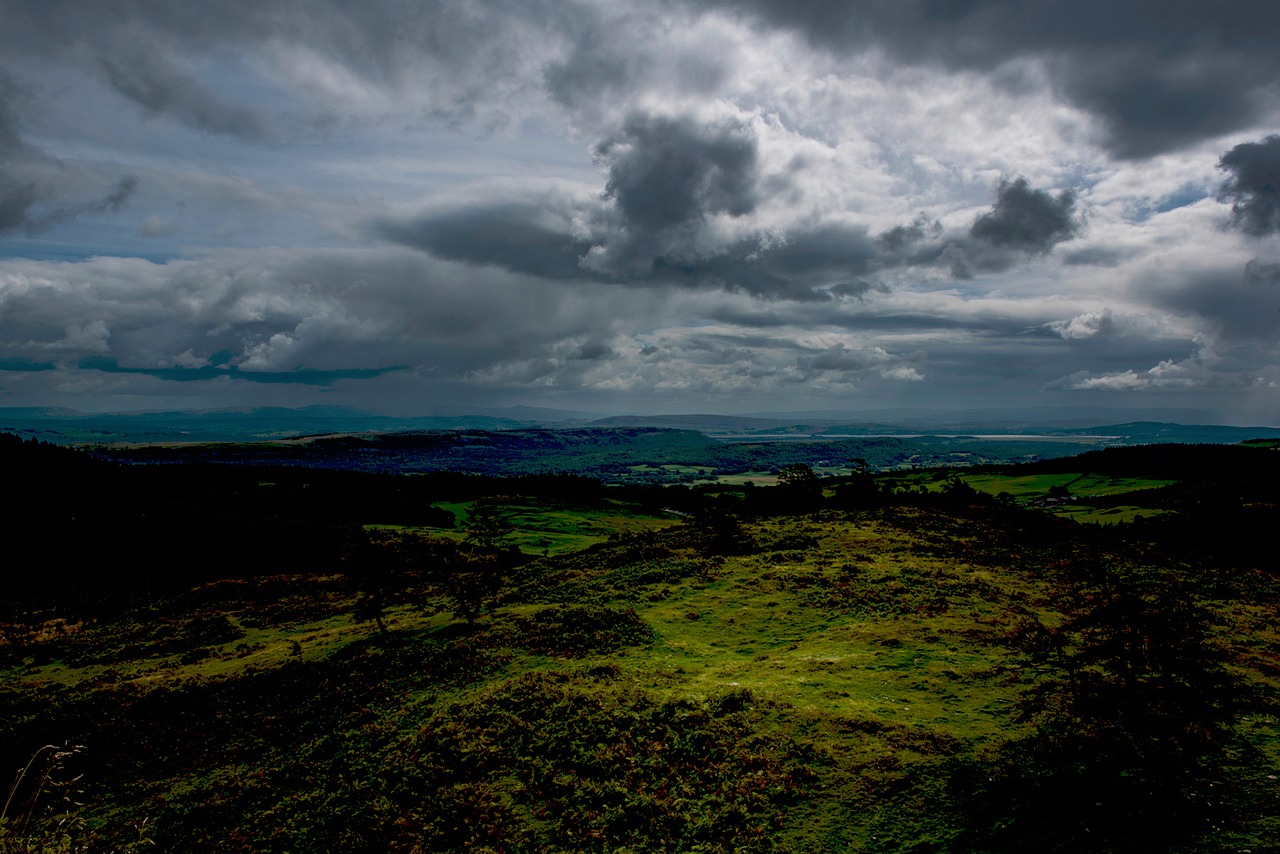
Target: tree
{"type": "Point", "coordinates": [376, 580]}
{"type": "Point", "coordinates": [716, 531]}
{"type": "Point", "coordinates": [958, 492]}
{"type": "Point", "coordinates": [858, 490]}
{"type": "Point", "coordinates": [488, 531]}
{"type": "Point", "coordinates": [386, 573]}
{"type": "Point", "coordinates": [800, 485]}
{"type": "Point", "coordinates": [474, 575]}
{"type": "Point", "coordinates": [1130, 726]}
{"type": "Point", "coordinates": [471, 580]}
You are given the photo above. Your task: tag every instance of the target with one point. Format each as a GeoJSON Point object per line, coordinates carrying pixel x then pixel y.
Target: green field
{"type": "Point", "coordinates": [1081, 485]}
{"type": "Point", "coordinates": [546, 527]}
{"type": "Point", "coordinates": [1084, 491]}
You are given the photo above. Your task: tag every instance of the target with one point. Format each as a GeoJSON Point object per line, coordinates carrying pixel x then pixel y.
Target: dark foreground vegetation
{"type": "Point", "coordinates": [254, 658]}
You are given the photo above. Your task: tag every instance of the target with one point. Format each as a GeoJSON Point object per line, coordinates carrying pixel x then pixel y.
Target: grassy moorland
{"type": "Point", "coordinates": [872, 665]}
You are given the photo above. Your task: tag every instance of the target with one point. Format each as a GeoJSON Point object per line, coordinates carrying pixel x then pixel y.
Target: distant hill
{"type": "Point", "coordinates": [69, 427]}
{"type": "Point", "coordinates": [610, 454]}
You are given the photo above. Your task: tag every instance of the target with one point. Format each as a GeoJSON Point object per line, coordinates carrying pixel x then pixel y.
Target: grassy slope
{"type": "Point", "coordinates": [812, 694]}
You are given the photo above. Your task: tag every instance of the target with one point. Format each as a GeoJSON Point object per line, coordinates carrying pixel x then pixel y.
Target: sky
{"type": "Point", "coordinates": [650, 206]}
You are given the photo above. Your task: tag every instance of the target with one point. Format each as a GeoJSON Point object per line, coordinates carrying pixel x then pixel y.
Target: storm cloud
{"type": "Point", "coordinates": [668, 178]}
{"type": "Point", "coordinates": [1253, 187]}
{"type": "Point", "coordinates": [531, 236]}
{"type": "Point", "coordinates": [1027, 220]}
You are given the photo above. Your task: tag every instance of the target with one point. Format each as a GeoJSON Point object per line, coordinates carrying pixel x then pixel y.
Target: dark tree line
{"type": "Point", "coordinates": [88, 535]}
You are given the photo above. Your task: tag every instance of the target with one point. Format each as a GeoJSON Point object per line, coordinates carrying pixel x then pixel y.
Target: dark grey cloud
{"type": "Point", "coordinates": [1154, 104]}
{"type": "Point", "coordinates": [522, 236]}
{"type": "Point", "coordinates": [857, 290]}
{"type": "Point", "coordinates": [668, 172]}
{"type": "Point", "coordinates": [18, 194]}
{"type": "Point", "coordinates": [535, 236]}
{"type": "Point", "coordinates": [1258, 270]}
{"type": "Point", "coordinates": [1027, 220]}
{"type": "Point", "coordinates": [112, 202]}
{"type": "Point", "coordinates": [842, 358]}
{"type": "Point", "coordinates": [1023, 221]}
{"type": "Point", "coordinates": [596, 66]}
{"type": "Point", "coordinates": [1238, 307]}
{"type": "Point", "coordinates": [954, 256]}
{"type": "Point", "coordinates": [1253, 187]}
{"type": "Point", "coordinates": [668, 180]}
{"type": "Point", "coordinates": [592, 351]}
{"type": "Point", "coordinates": [157, 85]}
{"type": "Point", "coordinates": [26, 204]}
{"type": "Point", "coordinates": [644, 236]}
{"type": "Point", "coordinates": [17, 198]}
{"type": "Point", "coordinates": [1099, 256]}
{"type": "Point", "coordinates": [1159, 74]}
{"type": "Point", "coordinates": [903, 236]}
{"type": "Point", "coordinates": [23, 365]}
{"type": "Point", "coordinates": [832, 250]}
{"type": "Point", "coordinates": [301, 376]}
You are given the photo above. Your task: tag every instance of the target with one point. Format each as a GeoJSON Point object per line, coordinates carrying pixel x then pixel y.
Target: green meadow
{"type": "Point", "coordinates": [548, 527]}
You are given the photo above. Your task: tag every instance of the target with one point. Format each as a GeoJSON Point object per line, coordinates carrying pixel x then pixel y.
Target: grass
{"type": "Point", "coordinates": [549, 528]}
{"type": "Point", "coordinates": [1038, 486]}
{"type": "Point", "coordinates": [1085, 514]}
{"type": "Point", "coordinates": [759, 478]}
{"type": "Point", "coordinates": [1029, 489]}
{"type": "Point", "coordinates": [1082, 488]}
{"type": "Point", "coordinates": [753, 624]}
{"type": "Point", "coordinates": [852, 661]}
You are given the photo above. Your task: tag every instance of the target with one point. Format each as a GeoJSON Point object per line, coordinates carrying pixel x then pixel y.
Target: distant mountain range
{"type": "Point", "coordinates": [66, 426]}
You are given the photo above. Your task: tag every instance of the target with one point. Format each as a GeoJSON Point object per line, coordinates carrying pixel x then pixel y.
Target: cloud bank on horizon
{"type": "Point", "coordinates": [667, 205]}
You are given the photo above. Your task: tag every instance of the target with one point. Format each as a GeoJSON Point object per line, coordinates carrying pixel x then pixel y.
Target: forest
{"type": "Point", "coordinates": [241, 653]}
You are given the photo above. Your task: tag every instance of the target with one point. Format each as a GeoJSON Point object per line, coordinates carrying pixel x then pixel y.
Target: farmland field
{"type": "Point", "coordinates": [1084, 485]}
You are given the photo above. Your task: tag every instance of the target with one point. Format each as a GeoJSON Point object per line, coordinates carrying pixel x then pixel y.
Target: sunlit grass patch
{"type": "Point", "coordinates": [759, 478]}
{"type": "Point", "coordinates": [545, 527]}
{"type": "Point", "coordinates": [755, 624]}
{"type": "Point", "coordinates": [1039, 485]}
{"type": "Point", "coordinates": [1106, 515]}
